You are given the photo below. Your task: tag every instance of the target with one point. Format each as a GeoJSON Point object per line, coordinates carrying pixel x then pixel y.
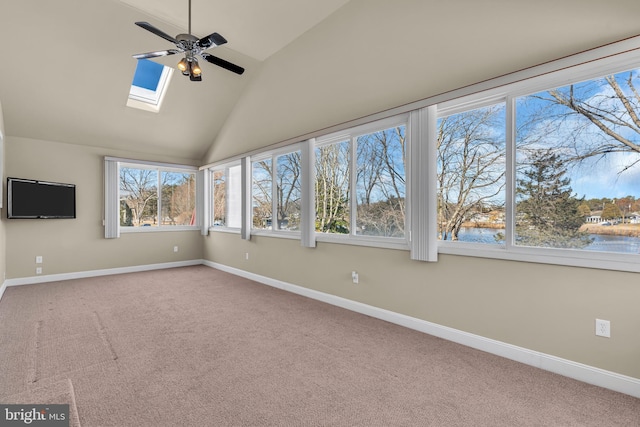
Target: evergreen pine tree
{"type": "Point", "coordinates": [548, 214]}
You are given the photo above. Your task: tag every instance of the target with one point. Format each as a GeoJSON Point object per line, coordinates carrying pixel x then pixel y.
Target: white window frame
{"type": "Point", "coordinates": [351, 135]}
{"type": "Point", "coordinates": [468, 104]}
{"type": "Point", "coordinates": [421, 173]}
{"type": "Point", "coordinates": [224, 167]}
{"type": "Point", "coordinates": [111, 221]}
{"type": "Point", "coordinates": [510, 92]}
{"type": "Point", "coordinates": [273, 156]}
{"type": "Point", "coordinates": [150, 100]}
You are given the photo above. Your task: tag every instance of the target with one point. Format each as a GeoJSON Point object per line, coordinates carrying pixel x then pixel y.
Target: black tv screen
{"type": "Point", "coordinates": [27, 198]}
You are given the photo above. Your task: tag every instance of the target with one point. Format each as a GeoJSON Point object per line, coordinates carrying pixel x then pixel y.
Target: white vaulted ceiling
{"type": "Point", "coordinates": [66, 67]}
{"type": "Point", "coordinates": [256, 28]}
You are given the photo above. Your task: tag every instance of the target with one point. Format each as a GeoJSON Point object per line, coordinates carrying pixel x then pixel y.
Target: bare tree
{"type": "Point", "coordinates": [471, 166]}
{"type": "Point", "coordinates": [140, 190]}
{"type": "Point", "coordinates": [332, 188]}
{"type": "Point", "coordinates": [219, 198]}
{"type": "Point", "coordinates": [261, 193]}
{"type": "Point", "coordinates": [178, 198]}
{"type": "Point", "coordinates": [611, 105]}
{"type": "Point", "coordinates": [381, 161]}
{"type": "Point", "coordinates": [289, 171]}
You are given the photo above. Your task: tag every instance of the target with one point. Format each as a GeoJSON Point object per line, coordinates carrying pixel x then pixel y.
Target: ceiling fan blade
{"type": "Point", "coordinates": [222, 63]}
{"type": "Point", "coordinates": [212, 40]}
{"type": "Point", "coordinates": [156, 54]}
{"type": "Point", "coordinates": [156, 31]}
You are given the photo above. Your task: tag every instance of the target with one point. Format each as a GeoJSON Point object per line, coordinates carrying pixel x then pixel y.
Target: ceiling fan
{"type": "Point", "coordinates": [192, 47]}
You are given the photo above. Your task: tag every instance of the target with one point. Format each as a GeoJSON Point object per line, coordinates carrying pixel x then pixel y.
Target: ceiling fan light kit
{"type": "Point", "coordinates": [192, 47]}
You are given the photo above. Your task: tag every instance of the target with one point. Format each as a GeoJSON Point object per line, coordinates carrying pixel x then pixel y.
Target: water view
{"type": "Point", "coordinates": [601, 243]}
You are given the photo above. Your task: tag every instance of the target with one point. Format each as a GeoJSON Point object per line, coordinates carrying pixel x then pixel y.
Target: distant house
{"type": "Point", "coordinates": [632, 218]}
{"type": "Point", "coordinates": [595, 218]}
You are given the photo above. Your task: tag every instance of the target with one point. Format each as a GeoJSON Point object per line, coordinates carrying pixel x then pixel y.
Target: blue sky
{"type": "Point", "coordinates": [603, 178]}
{"type": "Point", "coordinates": [147, 74]}
{"type": "Point", "coordinates": [614, 175]}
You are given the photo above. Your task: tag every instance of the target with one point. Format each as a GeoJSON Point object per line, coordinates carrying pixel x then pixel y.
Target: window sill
{"type": "Point", "coordinates": [380, 242]}
{"type": "Point", "coordinates": [133, 230]}
{"type": "Point", "coordinates": [221, 229]}
{"type": "Point", "coordinates": [294, 235]}
{"type": "Point", "coordinates": [567, 257]}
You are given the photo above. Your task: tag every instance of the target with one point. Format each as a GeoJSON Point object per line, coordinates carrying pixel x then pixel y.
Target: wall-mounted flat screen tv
{"type": "Point", "coordinates": [28, 198]}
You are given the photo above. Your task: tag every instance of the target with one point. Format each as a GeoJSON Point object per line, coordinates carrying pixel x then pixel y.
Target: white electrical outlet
{"type": "Point", "coordinates": [38, 259]}
{"type": "Point", "coordinates": [354, 277]}
{"type": "Point", "coordinates": [603, 328]}
{"type": "Point", "coordinates": [38, 270]}
{"type": "Point", "coordinates": [175, 249]}
{"type": "Point", "coordinates": [246, 256]}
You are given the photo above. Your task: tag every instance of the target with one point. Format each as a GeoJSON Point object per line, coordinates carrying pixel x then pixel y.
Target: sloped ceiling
{"type": "Point", "coordinates": [66, 67]}
{"type": "Point", "coordinates": [258, 28]}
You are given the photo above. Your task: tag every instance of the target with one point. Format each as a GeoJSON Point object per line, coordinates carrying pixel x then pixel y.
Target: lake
{"type": "Point", "coordinates": [601, 243]}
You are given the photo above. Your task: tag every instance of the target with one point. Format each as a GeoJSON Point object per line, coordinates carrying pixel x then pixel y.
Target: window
{"type": "Point", "coordinates": [471, 167]}
{"type": "Point", "coordinates": [262, 194]}
{"type": "Point", "coordinates": [380, 183]}
{"type": "Point", "coordinates": [227, 196]}
{"type": "Point", "coordinates": [578, 166]}
{"type": "Point", "coordinates": [155, 197]}
{"type": "Point", "coordinates": [560, 167]}
{"type": "Point", "coordinates": [332, 189]}
{"type": "Point", "coordinates": [368, 162]}
{"type": "Point", "coordinates": [538, 166]}
{"type": "Point", "coordinates": [148, 196]}
{"type": "Point", "coordinates": [150, 82]}
{"type": "Point", "coordinates": [178, 198]}
{"type": "Point", "coordinates": [288, 191]}
{"type": "Point", "coordinates": [283, 198]}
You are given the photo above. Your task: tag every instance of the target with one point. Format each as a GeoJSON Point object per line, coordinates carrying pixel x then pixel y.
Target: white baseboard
{"type": "Point", "coordinates": [94, 273]}
{"type": "Point", "coordinates": [567, 368]}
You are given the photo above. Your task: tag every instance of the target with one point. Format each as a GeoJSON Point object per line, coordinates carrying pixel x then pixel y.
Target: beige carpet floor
{"type": "Point", "coordinates": [195, 346]}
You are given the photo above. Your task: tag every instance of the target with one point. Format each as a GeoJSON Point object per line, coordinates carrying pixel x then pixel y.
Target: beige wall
{"type": "Point", "coordinates": [3, 237]}
{"type": "Point", "coordinates": [75, 245]}
{"type": "Point", "coordinates": [375, 55]}
{"type": "Point", "coordinates": [541, 307]}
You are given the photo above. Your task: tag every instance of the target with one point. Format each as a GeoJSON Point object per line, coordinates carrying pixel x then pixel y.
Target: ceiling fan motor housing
{"type": "Point", "coordinates": [188, 42]}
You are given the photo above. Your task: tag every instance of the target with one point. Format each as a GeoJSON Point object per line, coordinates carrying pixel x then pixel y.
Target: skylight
{"type": "Point", "coordinates": [149, 85]}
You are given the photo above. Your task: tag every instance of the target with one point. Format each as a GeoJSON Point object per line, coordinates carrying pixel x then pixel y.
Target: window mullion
{"type": "Point", "coordinates": [353, 172]}
{"type": "Point", "coordinates": [246, 201]}
{"type": "Point", "coordinates": [159, 201]}
{"type": "Point", "coordinates": [112, 199]}
{"type": "Point", "coordinates": [307, 223]}
{"type": "Point", "coordinates": [422, 160]}
{"type": "Point", "coordinates": [274, 193]}
{"type": "Point", "coordinates": [510, 172]}
{"type": "Point", "coordinates": [227, 198]}
{"type": "Point", "coordinates": [202, 208]}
